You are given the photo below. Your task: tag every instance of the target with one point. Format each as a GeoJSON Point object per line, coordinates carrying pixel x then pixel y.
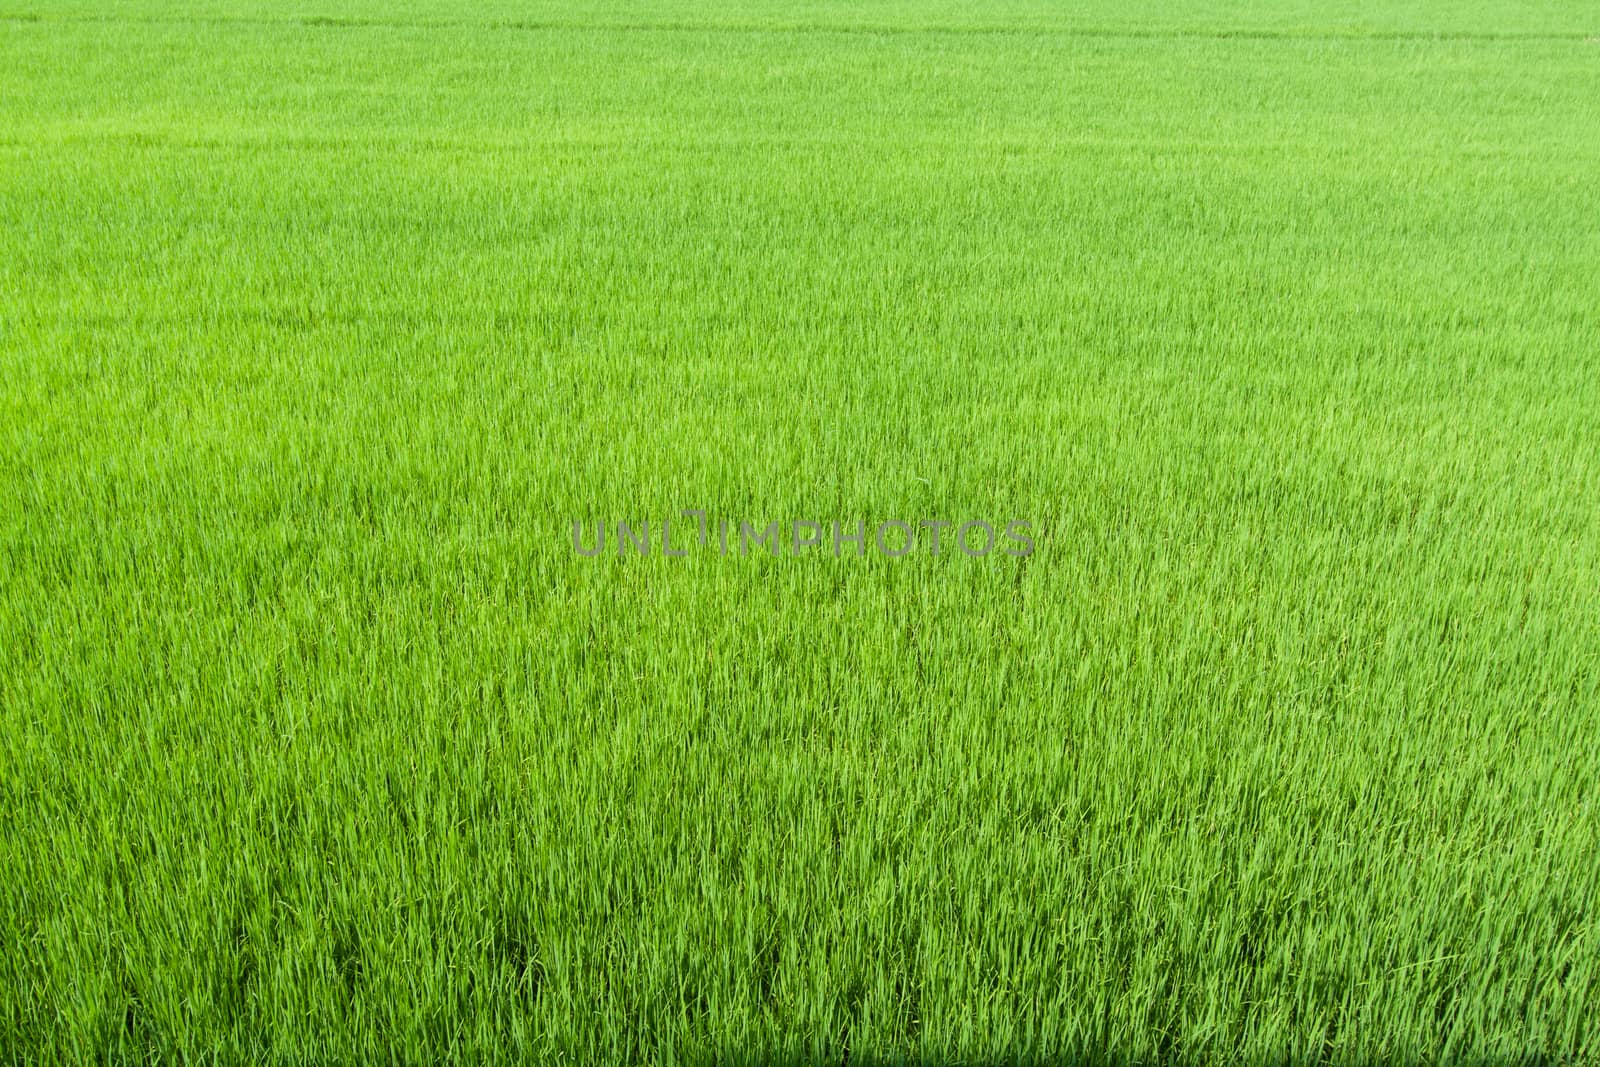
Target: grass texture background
{"type": "Point", "coordinates": [321, 322]}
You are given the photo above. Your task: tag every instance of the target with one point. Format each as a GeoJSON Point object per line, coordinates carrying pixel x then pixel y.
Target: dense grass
{"type": "Point", "coordinates": [321, 323]}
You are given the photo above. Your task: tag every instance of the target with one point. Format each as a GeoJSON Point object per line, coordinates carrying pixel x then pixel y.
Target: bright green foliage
{"type": "Point", "coordinates": [320, 322]}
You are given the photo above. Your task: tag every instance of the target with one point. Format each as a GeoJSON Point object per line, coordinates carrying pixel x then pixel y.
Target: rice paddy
{"type": "Point", "coordinates": [332, 334]}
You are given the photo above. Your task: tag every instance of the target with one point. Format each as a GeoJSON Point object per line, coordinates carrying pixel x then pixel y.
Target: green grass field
{"type": "Point", "coordinates": [322, 321]}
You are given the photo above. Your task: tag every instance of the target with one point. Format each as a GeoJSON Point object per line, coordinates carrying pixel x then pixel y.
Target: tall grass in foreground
{"type": "Point", "coordinates": [318, 328]}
